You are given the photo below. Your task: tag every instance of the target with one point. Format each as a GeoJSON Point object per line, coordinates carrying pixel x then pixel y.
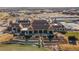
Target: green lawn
{"type": "Point", "coordinates": [76, 34]}
{"type": "Point", "coordinates": [17, 47]}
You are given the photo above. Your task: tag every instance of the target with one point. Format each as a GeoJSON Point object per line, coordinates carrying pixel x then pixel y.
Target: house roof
{"type": "Point", "coordinates": [24, 23]}
{"type": "Point", "coordinates": [40, 24]}
{"type": "Point", "coordinates": [56, 25]}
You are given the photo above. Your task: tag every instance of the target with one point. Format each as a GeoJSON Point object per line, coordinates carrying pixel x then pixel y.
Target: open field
{"type": "Point", "coordinates": [4, 15]}
{"type": "Point", "coordinates": [17, 47]}
{"type": "Point", "coordinates": [6, 37]}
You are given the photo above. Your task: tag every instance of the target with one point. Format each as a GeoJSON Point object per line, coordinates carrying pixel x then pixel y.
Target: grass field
{"type": "Point", "coordinates": [76, 34]}
{"type": "Point", "coordinates": [4, 15]}
{"type": "Point", "coordinates": [5, 37]}
{"type": "Point", "coordinates": [17, 47]}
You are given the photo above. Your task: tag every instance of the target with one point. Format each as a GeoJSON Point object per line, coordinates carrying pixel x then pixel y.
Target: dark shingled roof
{"type": "Point", "coordinates": [56, 25]}
{"type": "Point", "coordinates": [40, 24]}
{"type": "Point", "coordinates": [24, 23]}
